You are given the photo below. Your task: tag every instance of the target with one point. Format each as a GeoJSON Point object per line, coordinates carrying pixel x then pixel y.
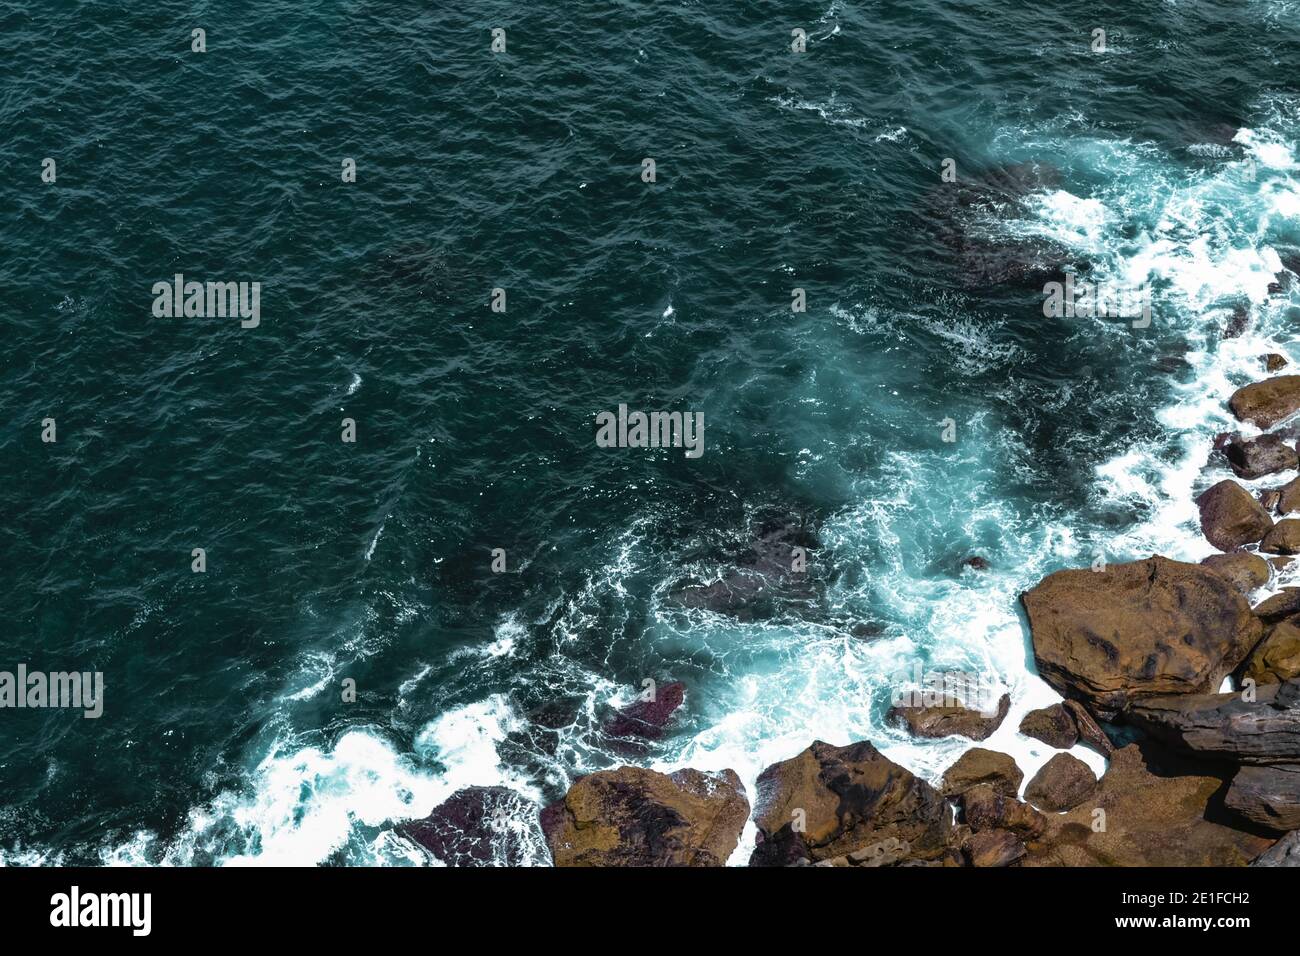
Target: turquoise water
{"type": "Point", "coordinates": [1170, 159]}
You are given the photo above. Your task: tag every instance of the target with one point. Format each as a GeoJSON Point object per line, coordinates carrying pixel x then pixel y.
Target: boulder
{"type": "Point", "coordinates": [637, 817]}
{"type": "Point", "coordinates": [993, 848]}
{"type": "Point", "coordinates": [1269, 796]}
{"type": "Point", "coordinates": [1269, 499]}
{"type": "Point", "coordinates": [976, 563]}
{"type": "Point", "coordinates": [1062, 783]}
{"type": "Point", "coordinates": [1052, 725]}
{"type": "Point", "coordinates": [1090, 731]}
{"type": "Point", "coordinates": [477, 826]}
{"type": "Point", "coordinates": [1273, 361]}
{"type": "Point", "coordinates": [1152, 814]}
{"type": "Point", "coordinates": [987, 809]}
{"type": "Point", "coordinates": [831, 801]}
{"type": "Point", "coordinates": [1142, 629]}
{"type": "Point", "coordinates": [1282, 538]}
{"type": "Point", "coordinates": [1244, 571]}
{"type": "Point", "coordinates": [1277, 658]}
{"type": "Point", "coordinates": [1289, 497]}
{"type": "Point", "coordinates": [979, 766]}
{"type": "Point", "coordinates": [1252, 458]}
{"type": "Point", "coordinates": [1266, 403]}
{"type": "Point", "coordinates": [1285, 852]}
{"type": "Point", "coordinates": [1231, 517]}
{"type": "Point", "coordinates": [1285, 603]}
{"type": "Point", "coordinates": [647, 718]}
{"type": "Point", "coordinates": [945, 721]}
{"type": "Point", "coordinates": [1259, 731]}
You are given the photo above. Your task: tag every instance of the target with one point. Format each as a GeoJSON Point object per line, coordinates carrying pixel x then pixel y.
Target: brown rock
{"type": "Point", "coordinates": [986, 809]}
{"type": "Point", "coordinates": [1288, 499]}
{"type": "Point", "coordinates": [1266, 403]}
{"type": "Point", "coordinates": [1273, 361]}
{"type": "Point", "coordinates": [1268, 500]}
{"type": "Point", "coordinates": [637, 817]}
{"type": "Point", "coordinates": [1052, 725]}
{"type": "Point", "coordinates": [1153, 816]}
{"type": "Point", "coordinates": [1252, 458]}
{"type": "Point", "coordinates": [1277, 657]}
{"type": "Point", "coordinates": [993, 848]}
{"type": "Point", "coordinates": [831, 801]}
{"type": "Point", "coordinates": [947, 721]}
{"type": "Point", "coordinates": [1135, 630]}
{"type": "Point", "coordinates": [980, 766]}
{"type": "Point", "coordinates": [1283, 537]}
{"type": "Point", "coordinates": [1262, 727]}
{"type": "Point", "coordinates": [1283, 604]}
{"type": "Point", "coordinates": [1231, 517]}
{"type": "Point", "coordinates": [1269, 796]}
{"type": "Point", "coordinates": [463, 830]}
{"type": "Point", "coordinates": [1061, 784]}
{"type": "Point", "coordinates": [1244, 571]}
{"type": "Point", "coordinates": [1090, 731]}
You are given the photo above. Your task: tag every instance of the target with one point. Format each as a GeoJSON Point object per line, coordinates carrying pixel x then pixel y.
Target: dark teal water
{"type": "Point", "coordinates": [1171, 159]}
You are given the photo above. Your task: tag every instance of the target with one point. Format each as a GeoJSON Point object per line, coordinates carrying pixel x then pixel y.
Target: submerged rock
{"type": "Point", "coordinates": [948, 721]}
{"type": "Point", "coordinates": [1268, 402]}
{"type": "Point", "coordinates": [1231, 517]}
{"type": "Point", "coordinates": [1052, 725]}
{"type": "Point", "coordinates": [637, 817]}
{"type": "Point", "coordinates": [979, 766]}
{"type": "Point", "coordinates": [827, 802]}
{"type": "Point", "coordinates": [646, 719]}
{"type": "Point", "coordinates": [1145, 815]}
{"type": "Point", "coordinates": [477, 826]}
{"type": "Point", "coordinates": [1142, 629]}
{"type": "Point", "coordinates": [1263, 730]}
{"type": "Point", "coordinates": [1244, 571]}
{"type": "Point", "coordinates": [1269, 796]}
{"type": "Point", "coordinates": [1252, 458]}
{"type": "Point", "coordinates": [1062, 783]}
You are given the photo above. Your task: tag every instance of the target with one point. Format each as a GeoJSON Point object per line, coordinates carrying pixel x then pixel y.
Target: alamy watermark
{"type": "Point", "coordinates": [945, 688]}
{"type": "Point", "coordinates": [193, 299]}
{"type": "Point", "coordinates": [652, 430]}
{"type": "Point", "coordinates": [1077, 298]}
{"type": "Point", "coordinates": [25, 688]}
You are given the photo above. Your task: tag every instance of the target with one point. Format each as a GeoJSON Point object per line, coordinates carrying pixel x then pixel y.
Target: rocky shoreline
{"type": "Point", "coordinates": [1140, 653]}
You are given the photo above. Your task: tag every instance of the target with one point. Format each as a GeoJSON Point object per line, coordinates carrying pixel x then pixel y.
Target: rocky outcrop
{"type": "Point", "coordinates": [1260, 731]}
{"type": "Point", "coordinates": [1269, 796]}
{"type": "Point", "coordinates": [1244, 571]}
{"type": "Point", "coordinates": [1282, 538]}
{"type": "Point", "coordinates": [1285, 852]}
{"type": "Point", "coordinates": [477, 826]}
{"type": "Point", "coordinates": [1231, 517]}
{"type": "Point", "coordinates": [1266, 403]}
{"type": "Point", "coordinates": [979, 766]}
{"type": "Point", "coordinates": [1062, 783]}
{"type": "Point", "coordinates": [1277, 658]}
{"type": "Point", "coordinates": [646, 719]}
{"type": "Point", "coordinates": [637, 817]}
{"type": "Point", "coordinates": [1143, 814]}
{"type": "Point", "coordinates": [1252, 458]}
{"type": "Point", "coordinates": [828, 802]}
{"type": "Point", "coordinates": [1052, 725]}
{"type": "Point", "coordinates": [984, 808]}
{"type": "Point", "coordinates": [1137, 630]}
{"type": "Point", "coordinates": [946, 721]}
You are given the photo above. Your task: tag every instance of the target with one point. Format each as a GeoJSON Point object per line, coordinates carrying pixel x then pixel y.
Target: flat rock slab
{"type": "Point", "coordinates": [1265, 730]}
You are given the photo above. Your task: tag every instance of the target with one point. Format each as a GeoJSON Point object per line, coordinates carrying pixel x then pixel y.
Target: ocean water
{"type": "Point", "coordinates": [1172, 158]}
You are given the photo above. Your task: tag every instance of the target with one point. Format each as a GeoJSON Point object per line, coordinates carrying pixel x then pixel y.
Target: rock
{"type": "Point", "coordinates": [647, 718]}
{"type": "Point", "coordinates": [1283, 604]}
{"type": "Point", "coordinates": [1142, 629]}
{"type": "Point", "coordinates": [1052, 725]}
{"type": "Point", "coordinates": [637, 817]}
{"type": "Point", "coordinates": [1266, 403]}
{"type": "Point", "coordinates": [1061, 784]}
{"type": "Point", "coordinates": [1090, 731]}
{"type": "Point", "coordinates": [947, 721]}
{"type": "Point", "coordinates": [1279, 562]}
{"type": "Point", "coordinates": [1153, 814]}
{"type": "Point", "coordinates": [980, 766]}
{"type": "Point", "coordinates": [885, 852]}
{"type": "Point", "coordinates": [1273, 361]}
{"type": "Point", "coordinates": [1244, 571]}
{"type": "Point", "coordinates": [976, 563]}
{"type": "Point", "coordinates": [1238, 322]}
{"type": "Point", "coordinates": [1265, 730]}
{"type": "Point", "coordinates": [1289, 497]}
{"type": "Point", "coordinates": [1283, 537]}
{"type": "Point", "coordinates": [1276, 658]}
{"type": "Point", "coordinates": [477, 826]}
{"type": "Point", "coordinates": [987, 809]}
{"type": "Point", "coordinates": [1231, 517]}
{"type": "Point", "coordinates": [1268, 500]}
{"type": "Point", "coordinates": [845, 799]}
{"type": "Point", "coordinates": [1269, 796]}
{"type": "Point", "coordinates": [1252, 458]}
{"type": "Point", "coordinates": [993, 848]}
{"type": "Point", "coordinates": [1285, 852]}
